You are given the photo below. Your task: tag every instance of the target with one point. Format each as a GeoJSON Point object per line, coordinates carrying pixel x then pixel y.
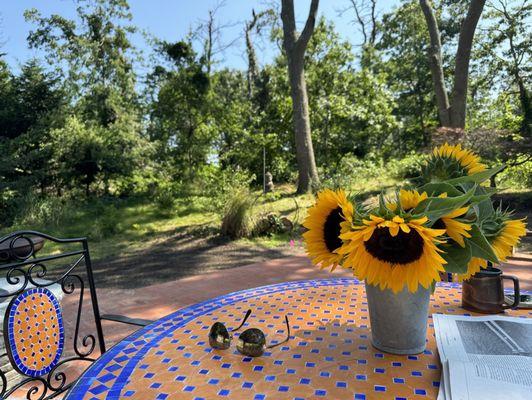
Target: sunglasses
{"type": "Point", "coordinates": [251, 342]}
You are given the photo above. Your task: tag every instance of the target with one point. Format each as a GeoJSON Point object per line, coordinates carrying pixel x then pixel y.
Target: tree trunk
{"type": "Point", "coordinates": [526, 107]}
{"type": "Point", "coordinates": [435, 63]}
{"type": "Point", "coordinates": [308, 174]}
{"type": "Point", "coordinates": [461, 69]}
{"type": "Point", "coordinates": [452, 113]}
{"type": "Point", "coordinates": [253, 69]}
{"type": "Point", "coordinates": [295, 46]}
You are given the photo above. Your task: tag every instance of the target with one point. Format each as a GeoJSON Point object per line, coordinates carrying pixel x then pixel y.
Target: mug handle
{"type": "Point", "coordinates": [516, 292]}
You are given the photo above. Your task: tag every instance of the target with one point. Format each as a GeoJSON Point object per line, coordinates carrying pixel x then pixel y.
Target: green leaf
{"type": "Point", "coordinates": [484, 207]}
{"type": "Point", "coordinates": [487, 190]}
{"type": "Point", "coordinates": [382, 204]}
{"type": "Point", "coordinates": [479, 198]}
{"type": "Point", "coordinates": [436, 207]}
{"type": "Point", "coordinates": [439, 188]}
{"type": "Point", "coordinates": [433, 287]}
{"type": "Point", "coordinates": [480, 246]}
{"type": "Point", "coordinates": [457, 258]}
{"type": "Point", "coordinates": [479, 177]}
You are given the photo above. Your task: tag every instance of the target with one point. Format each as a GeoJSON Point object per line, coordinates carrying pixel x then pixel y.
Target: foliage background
{"type": "Point", "coordinates": [82, 127]}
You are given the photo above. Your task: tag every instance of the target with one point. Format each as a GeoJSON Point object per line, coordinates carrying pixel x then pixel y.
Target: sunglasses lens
{"type": "Point", "coordinates": [219, 337]}
{"type": "Point", "coordinates": [251, 342]}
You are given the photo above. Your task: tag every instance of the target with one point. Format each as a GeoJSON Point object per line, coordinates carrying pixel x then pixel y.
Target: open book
{"type": "Point", "coordinates": [484, 358]}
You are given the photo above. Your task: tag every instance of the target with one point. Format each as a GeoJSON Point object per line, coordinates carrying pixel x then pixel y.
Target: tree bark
{"type": "Point", "coordinates": [252, 58]}
{"type": "Point", "coordinates": [461, 69]}
{"type": "Point", "coordinates": [524, 95]}
{"type": "Point", "coordinates": [452, 113]}
{"type": "Point", "coordinates": [526, 106]}
{"type": "Point", "coordinates": [208, 42]}
{"type": "Point", "coordinates": [435, 63]}
{"type": "Point", "coordinates": [295, 46]}
{"type": "Point", "coordinates": [253, 66]}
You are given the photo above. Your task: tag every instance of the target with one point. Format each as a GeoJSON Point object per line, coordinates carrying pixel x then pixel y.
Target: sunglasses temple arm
{"type": "Point", "coordinates": [248, 313]}
{"type": "Point", "coordinates": [271, 346]}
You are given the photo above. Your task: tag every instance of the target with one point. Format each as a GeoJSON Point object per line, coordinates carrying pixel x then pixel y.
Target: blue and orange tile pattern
{"type": "Point", "coordinates": [34, 332]}
{"type": "Point", "coordinates": [329, 355]}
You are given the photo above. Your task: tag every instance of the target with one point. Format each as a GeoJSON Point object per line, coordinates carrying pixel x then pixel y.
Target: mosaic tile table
{"type": "Point", "coordinates": [329, 355]}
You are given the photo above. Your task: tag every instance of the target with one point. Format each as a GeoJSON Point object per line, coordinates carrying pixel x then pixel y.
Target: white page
{"type": "Point", "coordinates": [484, 357]}
{"type": "Point", "coordinates": [470, 381]}
{"type": "Point", "coordinates": [498, 340]}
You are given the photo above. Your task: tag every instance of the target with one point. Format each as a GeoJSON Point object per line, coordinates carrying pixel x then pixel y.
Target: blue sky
{"type": "Point", "coordinates": [171, 20]}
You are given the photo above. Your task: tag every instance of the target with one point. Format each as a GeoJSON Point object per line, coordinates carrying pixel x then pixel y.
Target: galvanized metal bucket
{"type": "Point", "coordinates": [398, 321]}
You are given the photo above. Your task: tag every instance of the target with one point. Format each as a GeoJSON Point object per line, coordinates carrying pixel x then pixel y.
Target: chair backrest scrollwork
{"type": "Point", "coordinates": [42, 351]}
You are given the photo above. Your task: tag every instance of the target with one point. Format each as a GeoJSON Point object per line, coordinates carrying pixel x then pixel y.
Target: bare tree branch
{"type": "Point", "coordinates": [210, 33]}
{"type": "Point", "coordinates": [373, 16]}
{"type": "Point", "coordinates": [361, 22]}
{"type": "Point", "coordinates": [309, 25]}
{"type": "Point", "coordinates": [366, 18]}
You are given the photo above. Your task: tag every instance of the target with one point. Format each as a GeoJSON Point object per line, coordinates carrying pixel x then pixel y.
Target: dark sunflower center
{"type": "Point", "coordinates": [331, 229]}
{"type": "Point", "coordinates": [401, 249]}
{"type": "Point", "coordinates": [439, 224]}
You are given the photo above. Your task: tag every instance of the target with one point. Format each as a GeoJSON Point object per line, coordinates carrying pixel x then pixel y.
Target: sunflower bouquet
{"type": "Point", "coordinates": [446, 222]}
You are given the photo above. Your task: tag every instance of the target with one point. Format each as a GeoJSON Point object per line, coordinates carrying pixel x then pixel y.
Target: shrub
{"type": "Point", "coordinates": [406, 168]}
{"type": "Point", "coordinates": [237, 218]}
{"type": "Point", "coordinates": [8, 207]}
{"type": "Point", "coordinates": [518, 177]}
{"type": "Point", "coordinates": [165, 195]}
{"type": "Point", "coordinates": [349, 169]}
{"type": "Point", "coordinates": [34, 211]}
{"type": "Point", "coordinates": [219, 185]}
{"type": "Point", "coordinates": [355, 172]}
{"type": "Point", "coordinates": [107, 223]}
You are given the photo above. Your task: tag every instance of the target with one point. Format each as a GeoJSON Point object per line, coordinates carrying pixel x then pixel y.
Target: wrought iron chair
{"type": "Point", "coordinates": [39, 353]}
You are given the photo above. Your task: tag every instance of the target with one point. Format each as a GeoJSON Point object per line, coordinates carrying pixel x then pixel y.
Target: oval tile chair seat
{"type": "Point", "coordinates": [6, 366]}
{"type": "Point", "coordinates": [34, 332]}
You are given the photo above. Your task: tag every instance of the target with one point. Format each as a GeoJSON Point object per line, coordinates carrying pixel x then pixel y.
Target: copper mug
{"type": "Point", "coordinates": [484, 292]}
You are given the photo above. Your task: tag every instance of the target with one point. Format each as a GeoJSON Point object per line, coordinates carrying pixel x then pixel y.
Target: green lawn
{"type": "Point", "coordinates": [122, 226]}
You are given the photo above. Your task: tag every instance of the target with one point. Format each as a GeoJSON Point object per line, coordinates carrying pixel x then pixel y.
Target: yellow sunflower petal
{"type": "Point", "coordinates": [329, 204]}
{"type": "Point", "coordinates": [376, 255]}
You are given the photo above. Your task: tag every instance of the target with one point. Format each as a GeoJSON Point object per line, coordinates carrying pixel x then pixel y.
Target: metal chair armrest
{"type": "Point", "coordinates": [126, 320]}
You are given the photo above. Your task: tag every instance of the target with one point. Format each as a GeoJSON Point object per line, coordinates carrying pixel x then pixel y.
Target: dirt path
{"type": "Point", "coordinates": [179, 256]}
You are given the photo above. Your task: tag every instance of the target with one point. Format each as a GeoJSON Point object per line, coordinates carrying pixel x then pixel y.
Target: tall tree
{"type": "Point", "coordinates": [255, 25]}
{"type": "Point", "coordinates": [211, 33]}
{"type": "Point", "coordinates": [510, 31]}
{"type": "Point", "coordinates": [405, 65]}
{"type": "Point", "coordinates": [32, 104]}
{"type": "Point", "coordinates": [452, 111]}
{"type": "Point", "coordinates": [366, 19]}
{"type": "Point", "coordinates": [94, 54]}
{"type": "Point", "coordinates": [181, 115]}
{"type": "Point", "coordinates": [295, 46]}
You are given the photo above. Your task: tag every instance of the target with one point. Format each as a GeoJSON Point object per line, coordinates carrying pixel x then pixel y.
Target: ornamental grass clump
{"type": "Point", "coordinates": [445, 223]}
{"type": "Point", "coordinates": [237, 221]}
